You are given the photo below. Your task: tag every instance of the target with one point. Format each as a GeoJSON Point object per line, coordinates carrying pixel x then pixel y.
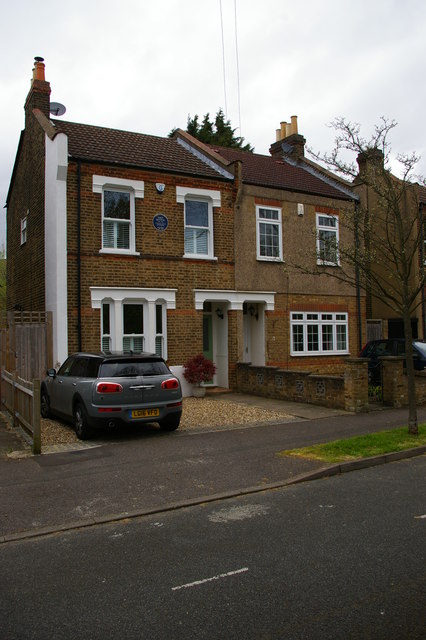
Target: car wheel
{"type": "Point", "coordinates": [81, 427]}
{"type": "Point", "coordinates": [45, 405]}
{"type": "Point", "coordinates": [170, 424]}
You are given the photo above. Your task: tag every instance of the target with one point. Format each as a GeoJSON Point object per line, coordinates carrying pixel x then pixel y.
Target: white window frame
{"type": "Point", "coordinates": [119, 222]}
{"type": "Point", "coordinates": [24, 230]}
{"type": "Point", "coordinates": [334, 229]}
{"type": "Point", "coordinates": [160, 333]}
{"type": "Point", "coordinates": [136, 189]}
{"type": "Point", "coordinates": [150, 299]}
{"type": "Point", "coordinates": [273, 222]}
{"type": "Point", "coordinates": [311, 323]}
{"type": "Point", "coordinates": [106, 335]}
{"type": "Point", "coordinates": [213, 199]}
{"type": "Point", "coordinates": [208, 229]}
{"type": "Point", "coordinates": [132, 337]}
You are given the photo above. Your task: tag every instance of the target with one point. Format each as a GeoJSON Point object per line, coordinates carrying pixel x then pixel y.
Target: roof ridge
{"type": "Point", "coordinates": [317, 171]}
{"type": "Point", "coordinates": [96, 126]}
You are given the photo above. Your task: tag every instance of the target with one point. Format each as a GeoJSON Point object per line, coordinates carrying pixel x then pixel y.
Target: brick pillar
{"type": "Point", "coordinates": [394, 386]}
{"type": "Point", "coordinates": [235, 319]}
{"type": "Point", "coordinates": [356, 384]}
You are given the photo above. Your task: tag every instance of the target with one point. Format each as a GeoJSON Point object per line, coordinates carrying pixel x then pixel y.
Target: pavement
{"type": "Point", "coordinates": [107, 481]}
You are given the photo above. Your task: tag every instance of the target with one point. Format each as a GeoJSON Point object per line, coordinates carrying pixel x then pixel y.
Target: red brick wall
{"type": "Point", "coordinates": [25, 264]}
{"type": "Point", "coordinates": [160, 263]}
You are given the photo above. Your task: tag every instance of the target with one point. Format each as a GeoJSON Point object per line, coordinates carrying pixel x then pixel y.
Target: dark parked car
{"type": "Point", "coordinates": [99, 390]}
{"type": "Point", "coordinates": [375, 349]}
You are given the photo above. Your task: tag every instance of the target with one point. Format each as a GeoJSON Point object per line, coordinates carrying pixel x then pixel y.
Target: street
{"type": "Point", "coordinates": [337, 558]}
{"type": "Point", "coordinates": [135, 473]}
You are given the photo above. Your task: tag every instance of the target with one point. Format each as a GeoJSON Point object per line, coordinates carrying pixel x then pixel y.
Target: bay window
{"type": "Point", "coordinates": [133, 319]}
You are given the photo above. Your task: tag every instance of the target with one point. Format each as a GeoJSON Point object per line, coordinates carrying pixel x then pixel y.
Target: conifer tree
{"type": "Point", "coordinates": [218, 132]}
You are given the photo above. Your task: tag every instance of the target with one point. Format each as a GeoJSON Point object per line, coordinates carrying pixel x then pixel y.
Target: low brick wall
{"type": "Point", "coordinates": [349, 392]}
{"type": "Point", "coordinates": [395, 383]}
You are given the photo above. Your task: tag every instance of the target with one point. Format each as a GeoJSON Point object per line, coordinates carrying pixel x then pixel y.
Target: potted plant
{"type": "Point", "coordinates": [196, 370]}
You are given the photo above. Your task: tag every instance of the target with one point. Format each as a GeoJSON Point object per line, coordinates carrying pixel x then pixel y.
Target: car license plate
{"type": "Point", "coordinates": [144, 413]}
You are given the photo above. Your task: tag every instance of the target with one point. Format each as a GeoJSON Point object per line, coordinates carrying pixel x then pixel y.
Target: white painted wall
{"type": "Point", "coordinates": [177, 371]}
{"type": "Point", "coordinates": [220, 347]}
{"type": "Point", "coordinates": [56, 242]}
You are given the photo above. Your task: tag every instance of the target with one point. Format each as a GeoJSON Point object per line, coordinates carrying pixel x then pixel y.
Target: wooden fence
{"type": "Point", "coordinates": [21, 399]}
{"type": "Point", "coordinates": [26, 343]}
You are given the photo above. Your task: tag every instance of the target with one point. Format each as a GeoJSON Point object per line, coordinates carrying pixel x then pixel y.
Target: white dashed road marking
{"type": "Point", "coordinates": [205, 580]}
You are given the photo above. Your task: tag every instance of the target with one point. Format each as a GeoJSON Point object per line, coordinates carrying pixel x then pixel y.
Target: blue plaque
{"type": "Point", "coordinates": [160, 222]}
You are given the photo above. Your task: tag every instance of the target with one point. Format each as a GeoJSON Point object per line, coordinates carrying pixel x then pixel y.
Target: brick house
{"type": "Point", "coordinates": [114, 232]}
{"type": "Point", "coordinates": [380, 191]}
{"type": "Point", "coordinates": [164, 244]}
{"type": "Point", "coordinates": [287, 213]}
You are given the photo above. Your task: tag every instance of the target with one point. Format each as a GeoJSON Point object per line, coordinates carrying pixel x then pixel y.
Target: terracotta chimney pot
{"type": "Point", "coordinates": [38, 71]}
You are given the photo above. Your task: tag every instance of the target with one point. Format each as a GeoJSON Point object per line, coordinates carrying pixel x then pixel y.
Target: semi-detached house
{"type": "Point", "coordinates": [289, 214]}
{"type": "Point", "coordinates": [138, 242]}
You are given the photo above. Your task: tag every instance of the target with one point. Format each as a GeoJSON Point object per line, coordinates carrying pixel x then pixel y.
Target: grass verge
{"type": "Point", "coordinates": [373, 444]}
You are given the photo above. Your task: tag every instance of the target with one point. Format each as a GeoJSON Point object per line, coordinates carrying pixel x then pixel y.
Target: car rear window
{"type": "Point", "coordinates": [122, 369]}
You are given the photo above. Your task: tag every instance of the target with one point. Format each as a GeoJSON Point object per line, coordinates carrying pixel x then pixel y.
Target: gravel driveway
{"type": "Point", "coordinates": [198, 414]}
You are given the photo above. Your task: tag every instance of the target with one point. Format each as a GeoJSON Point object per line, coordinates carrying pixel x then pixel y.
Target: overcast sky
{"type": "Point", "coordinates": [144, 66]}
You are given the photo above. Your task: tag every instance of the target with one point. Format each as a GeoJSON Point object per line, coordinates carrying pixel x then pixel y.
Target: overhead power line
{"type": "Point", "coordinates": [223, 60]}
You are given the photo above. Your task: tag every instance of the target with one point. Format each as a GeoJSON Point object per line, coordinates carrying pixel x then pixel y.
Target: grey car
{"type": "Point", "coordinates": [95, 390]}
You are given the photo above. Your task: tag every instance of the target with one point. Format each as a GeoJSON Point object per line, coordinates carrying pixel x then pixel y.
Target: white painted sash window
{"type": "Point", "coordinates": [327, 239]}
{"type": "Point", "coordinates": [268, 233]}
{"type": "Point", "coordinates": [198, 220]}
{"type": "Point", "coordinates": [118, 212]}
{"type": "Point", "coordinates": [198, 228]}
{"type": "Point", "coordinates": [118, 220]}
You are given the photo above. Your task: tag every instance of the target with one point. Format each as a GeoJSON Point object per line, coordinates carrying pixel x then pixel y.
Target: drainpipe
{"type": "Point", "coordinates": [79, 254]}
{"type": "Point", "coordinates": [422, 267]}
{"type": "Point", "coordinates": [357, 278]}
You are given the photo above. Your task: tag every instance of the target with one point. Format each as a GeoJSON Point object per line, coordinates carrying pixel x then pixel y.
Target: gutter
{"type": "Point", "coordinates": [79, 254]}
{"type": "Point", "coordinates": [422, 266]}
{"type": "Point", "coordinates": [357, 279]}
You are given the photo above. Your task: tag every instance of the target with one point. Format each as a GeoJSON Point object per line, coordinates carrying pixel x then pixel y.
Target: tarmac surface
{"type": "Point", "coordinates": [103, 481]}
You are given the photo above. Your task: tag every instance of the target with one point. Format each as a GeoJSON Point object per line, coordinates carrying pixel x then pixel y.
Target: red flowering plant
{"type": "Point", "coordinates": [198, 369]}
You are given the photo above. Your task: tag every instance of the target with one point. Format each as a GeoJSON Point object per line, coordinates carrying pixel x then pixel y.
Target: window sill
{"type": "Point", "coordinates": [196, 256]}
{"type": "Point", "coordinates": [315, 354]}
{"type": "Point", "coordinates": [119, 252]}
{"type": "Point", "coordinates": [263, 259]}
{"type": "Point", "coordinates": [322, 263]}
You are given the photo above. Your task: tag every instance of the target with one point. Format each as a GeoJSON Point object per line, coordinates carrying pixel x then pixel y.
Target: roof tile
{"type": "Point", "coordinates": [113, 146]}
{"type": "Point", "coordinates": [266, 171]}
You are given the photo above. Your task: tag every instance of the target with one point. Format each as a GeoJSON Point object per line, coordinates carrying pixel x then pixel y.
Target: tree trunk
{"type": "Point", "coordinates": [411, 384]}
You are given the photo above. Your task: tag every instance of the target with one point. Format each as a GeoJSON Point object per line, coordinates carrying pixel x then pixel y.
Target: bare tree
{"type": "Point", "coordinates": [384, 255]}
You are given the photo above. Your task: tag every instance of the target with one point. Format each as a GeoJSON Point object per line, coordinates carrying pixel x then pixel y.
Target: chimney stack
{"type": "Point", "coordinates": [39, 94]}
{"type": "Point", "coordinates": [294, 142]}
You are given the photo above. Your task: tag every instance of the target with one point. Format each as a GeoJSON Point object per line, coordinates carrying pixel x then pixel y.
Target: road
{"type": "Point", "coordinates": [337, 558]}
{"type": "Point", "coordinates": [133, 473]}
